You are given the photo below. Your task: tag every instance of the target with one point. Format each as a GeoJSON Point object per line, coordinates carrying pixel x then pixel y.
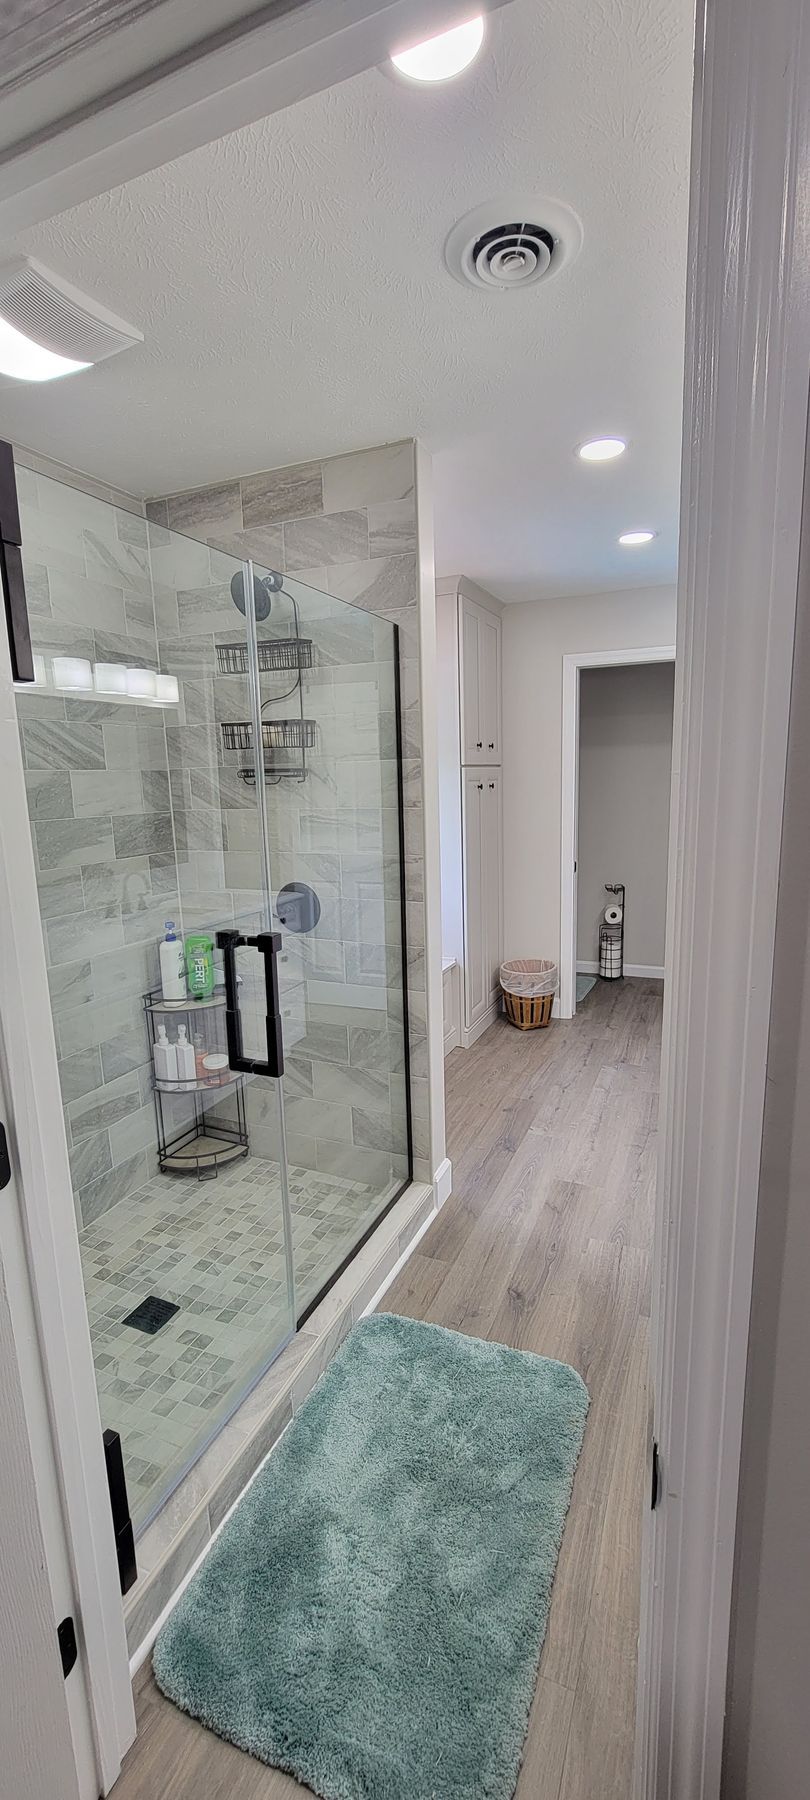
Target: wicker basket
{"type": "Point", "coordinates": [528, 1012]}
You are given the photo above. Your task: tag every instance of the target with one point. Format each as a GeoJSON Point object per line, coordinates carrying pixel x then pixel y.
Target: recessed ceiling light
{"type": "Point", "coordinates": [636, 537]}
{"type": "Point", "coordinates": [602, 449]}
{"type": "Point", "coordinates": [27, 361]}
{"type": "Point", "coordinates": [439, 58]}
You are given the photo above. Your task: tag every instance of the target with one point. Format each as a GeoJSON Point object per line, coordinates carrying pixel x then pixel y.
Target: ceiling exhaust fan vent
{"type": "Point", "coordinates": [58, 316]}
{"type": "Point", "coordinates": [506, 246]}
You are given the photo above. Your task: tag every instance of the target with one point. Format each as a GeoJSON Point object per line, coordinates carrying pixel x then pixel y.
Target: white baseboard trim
{"type": "Point", "coordinates": [652, 971]}
{"type": "Point", "coordinates": [471, 1033]}
{"type": "Point", "coordinates": [452, 1040]}
{"type": "Point", "coordinates": [443, 1183]}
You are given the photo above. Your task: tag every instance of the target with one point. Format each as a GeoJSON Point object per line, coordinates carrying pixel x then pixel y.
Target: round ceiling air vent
{"type": "Point", "coordinates": [505, 245]}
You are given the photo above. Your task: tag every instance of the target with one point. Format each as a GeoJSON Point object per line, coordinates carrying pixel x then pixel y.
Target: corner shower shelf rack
{"type": "Point", "coordinates": [205, 1143]}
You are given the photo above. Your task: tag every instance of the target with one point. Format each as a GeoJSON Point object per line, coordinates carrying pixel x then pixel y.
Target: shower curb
{"type": "Point", "coordinates": [178, 1536]}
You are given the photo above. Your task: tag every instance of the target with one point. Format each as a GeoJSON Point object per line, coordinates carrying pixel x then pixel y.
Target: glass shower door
{"type": "Point", "coordinates": [177, 1160]}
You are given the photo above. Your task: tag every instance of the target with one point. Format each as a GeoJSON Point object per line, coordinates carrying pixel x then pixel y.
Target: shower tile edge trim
{"type": "Point", "coordinates": [176, 1539]}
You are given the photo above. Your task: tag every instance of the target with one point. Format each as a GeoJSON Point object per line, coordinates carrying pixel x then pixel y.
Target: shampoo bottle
{"type": "Point", "coordinates": [165, 1057]}
{"type": "Point", "coordinates": [186, 1060]}
{"type": "Point", "coordinates": [200, 966]}
{"type": "Point", "coordinates": [172, 966]}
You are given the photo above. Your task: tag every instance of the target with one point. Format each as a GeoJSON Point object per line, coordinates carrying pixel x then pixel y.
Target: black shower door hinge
{"type": "Point", "coordinates": [655, 1495]}
{"type": "Point", "coordinates": [68, 1648]}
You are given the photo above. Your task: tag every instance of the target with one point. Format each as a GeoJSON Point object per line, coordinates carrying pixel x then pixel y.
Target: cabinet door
{"type": "Point", "coordinates": [489, 685]}
{"type": "Point", "coordinates": [472, 743]}
{"type": "Point", "coordinates": [476, 985]}
{"type": "Point", "coordinates": [492, 860]}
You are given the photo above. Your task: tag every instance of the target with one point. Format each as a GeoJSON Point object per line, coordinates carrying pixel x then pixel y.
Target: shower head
{"type": "Point", "coordinates": [264, 587]}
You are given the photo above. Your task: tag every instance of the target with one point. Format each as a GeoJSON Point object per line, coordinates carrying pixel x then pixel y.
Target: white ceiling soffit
{"type": "Point", "coordinates": [95, 92]}
{"type": "Point", "coordinates": [291, 286]}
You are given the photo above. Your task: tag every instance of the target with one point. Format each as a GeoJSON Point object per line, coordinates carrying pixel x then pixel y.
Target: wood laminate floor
{"type": "Point", "coordinates": [545, 1245]}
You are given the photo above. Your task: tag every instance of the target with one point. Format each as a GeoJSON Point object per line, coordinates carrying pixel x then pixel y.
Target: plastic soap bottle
{"type": "Point", "coordinates": [165, 1057]}
{"type": "Point", "coordinates": [186, 1060]}
{"type": "Point", "coordinates": [200, 966]}
{"type": "Point", "coordinates": [172, 966]}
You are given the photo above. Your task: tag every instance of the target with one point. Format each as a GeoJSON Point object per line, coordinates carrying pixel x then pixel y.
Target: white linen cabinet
{"type": "Point", "coordinates": [479, 642]}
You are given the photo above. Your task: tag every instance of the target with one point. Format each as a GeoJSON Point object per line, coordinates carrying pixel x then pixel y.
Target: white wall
{"type": "Point", "coordinates": [449, 769]}
{"type": "Point", "coordinates": [536, 637]}
{"type": "Point", "coordinates": [625, 761]}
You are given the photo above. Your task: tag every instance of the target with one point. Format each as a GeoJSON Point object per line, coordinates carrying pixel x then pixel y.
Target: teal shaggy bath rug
{"type": "Point", "coordinates": [371, 1617]}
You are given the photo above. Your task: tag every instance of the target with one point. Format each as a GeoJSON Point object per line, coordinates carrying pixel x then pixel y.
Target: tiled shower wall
{"type": "Point", "coordinates": [346, 527]}
{"type": "Point", "coordinates": [98, 794]}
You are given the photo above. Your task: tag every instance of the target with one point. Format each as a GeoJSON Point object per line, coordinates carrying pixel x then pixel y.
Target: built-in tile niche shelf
{"type": "Point", "coordinates": [279, 655]}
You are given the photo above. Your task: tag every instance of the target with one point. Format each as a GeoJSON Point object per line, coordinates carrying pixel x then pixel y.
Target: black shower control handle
{"type": "Point", "coordinates": [268, 944]}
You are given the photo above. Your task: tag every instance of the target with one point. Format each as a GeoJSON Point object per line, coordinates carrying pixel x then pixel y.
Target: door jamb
{"type": "Point", "coordinates": [572, 664]}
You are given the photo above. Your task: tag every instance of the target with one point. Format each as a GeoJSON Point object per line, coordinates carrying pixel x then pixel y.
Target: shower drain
{"type": "Point", "coordinates": [151, 1314]}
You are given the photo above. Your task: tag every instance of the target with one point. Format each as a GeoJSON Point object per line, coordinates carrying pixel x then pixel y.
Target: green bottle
{"type": "Point", "coordinates": [199, 965]}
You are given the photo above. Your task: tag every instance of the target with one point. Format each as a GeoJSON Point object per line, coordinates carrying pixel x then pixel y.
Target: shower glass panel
{"type": "Point", "coordinates": [328, 675]}
{"type": "Point", "coordinates": [183, 1220]}
{"type": "Point", "coordinates": [217, 745]}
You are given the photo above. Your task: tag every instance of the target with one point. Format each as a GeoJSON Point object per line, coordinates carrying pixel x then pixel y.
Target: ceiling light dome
{"type": "Point", "coordinates": [440, 58]}
{"type": "Point", "coordinates": [602, 449]}
{"type": "Point", "coordinates": [631, 538]}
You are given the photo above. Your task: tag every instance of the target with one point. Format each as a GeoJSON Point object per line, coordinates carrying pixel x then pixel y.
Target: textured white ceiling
{"type": "Point", "coordinates": [290, 284]}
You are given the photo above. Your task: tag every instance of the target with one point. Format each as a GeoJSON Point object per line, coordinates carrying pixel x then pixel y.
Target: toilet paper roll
{"type": "Point", "coordinates": [613, 915]}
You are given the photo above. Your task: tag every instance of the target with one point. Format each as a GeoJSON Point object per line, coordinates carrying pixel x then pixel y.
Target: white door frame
{"type": "Point", "coordinates": [748, 355]}
{"type": "Point", "coordinates": [745, 425]}
{"type": "Point", "coordinates": [571, 665]}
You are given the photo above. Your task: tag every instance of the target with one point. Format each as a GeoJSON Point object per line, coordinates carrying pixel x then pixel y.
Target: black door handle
{"type": "Point", "coordinates": [268, 944]}
{"type": "Point", "coordinates": [11, 571]}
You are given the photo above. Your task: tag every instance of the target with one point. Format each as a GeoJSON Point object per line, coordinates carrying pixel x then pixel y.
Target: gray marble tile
{"type": "Point", "coordinates": [118, 563]}
{"type": "Point", "coordinates": [247, 1461]}
{"type": "Point", "coordinates": [57, 746]}
{"type": "Point", "coordinates": [71, 985]}
{"type": "Point", "coordinates": [128, 647]}
{"type": "Point", "coordinates": [155, 791]}
{"type": "Point", "coordinates": [424, 1211]}
{"type": "Point", "coordinates": [98, 791]}
{"type": "Point", "coordinates": [60, 893]}
{"type": "Point", "coordinates": [192, 656]}
{"type": "Point", "coordinates": [76, 937]}
{"type": "Point", "coordinates": [125, 973]}
{"type": "Point", "coordinates": [90, 1159]}
{"type": "Point", "coordinates": [84, 1026]}
{"type": "Point", "coordinates": [204, 610]}
{"type": "Point", "coordinates": [96, 1197]}
{"type": "Point", "coordinates": [392, 528]}
{"type": "Point", "coordinates": [151, 1594]}
{"type": "Point", "coordinates": [388, 584]}
{"type": "Point", "coordinates": [37, 590]}
{"type": "Point", "coordinates": [281, 494]}
{"type": "Point", "coordinates": [79, 601]}
{"type": "Point", "coordinates": [370, 1048]}
{"type": "Point", "coordinates": [120, 1055]}
{"type": "Point", "coordinates": [157, 512]}
{"type": "Point", "coordinates": [324, 1043]}
{"type": "Point", "coordinates": [96, 1112]}
{"type": "Point", "coordinates": [147, 925]}
{"type": "Point", "coordinates": [80, 1075]}
{"type": "Point", "coordinates": [149, 834]}
{"type": "Point", "coordinates": [336, 538]}
{"type": "Point", "coordinates": [68, 843]}
{"type": "Point", "coordinates": [366, 1088]}
{"type": "Point", "coordinates": [139, 614]}
{"type": "Point", "coordinates": [376, 1131]}
{"type": "Point", "coordinates": [365, 476]}
{"type": "Point", "coordinates": [264, 544]}
{"type": "Point", "coordinates": [136, 1132]}
{"type": "Point", "coordinates": [49, 794]}
{"type": "Point", "coordinates": [128, 746]}
{"type": "Point", "coordinates": [205, 511]}
{"type": "Point", "coordinates": [131, 528]}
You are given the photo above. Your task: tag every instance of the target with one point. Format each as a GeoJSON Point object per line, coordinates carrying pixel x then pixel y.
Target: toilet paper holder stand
{"type": "Point", "coordinates": [611, 966]}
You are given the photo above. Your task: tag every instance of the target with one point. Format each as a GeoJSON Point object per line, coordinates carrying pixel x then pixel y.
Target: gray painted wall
{"type": "Point", "coordinates": [625, 757]}
{"type": "Point", "coordinates": [766, 1751]}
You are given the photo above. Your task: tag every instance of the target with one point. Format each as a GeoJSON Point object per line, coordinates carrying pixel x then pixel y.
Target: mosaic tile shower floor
{"type": "Point", "coordinates": [216, 1250]}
